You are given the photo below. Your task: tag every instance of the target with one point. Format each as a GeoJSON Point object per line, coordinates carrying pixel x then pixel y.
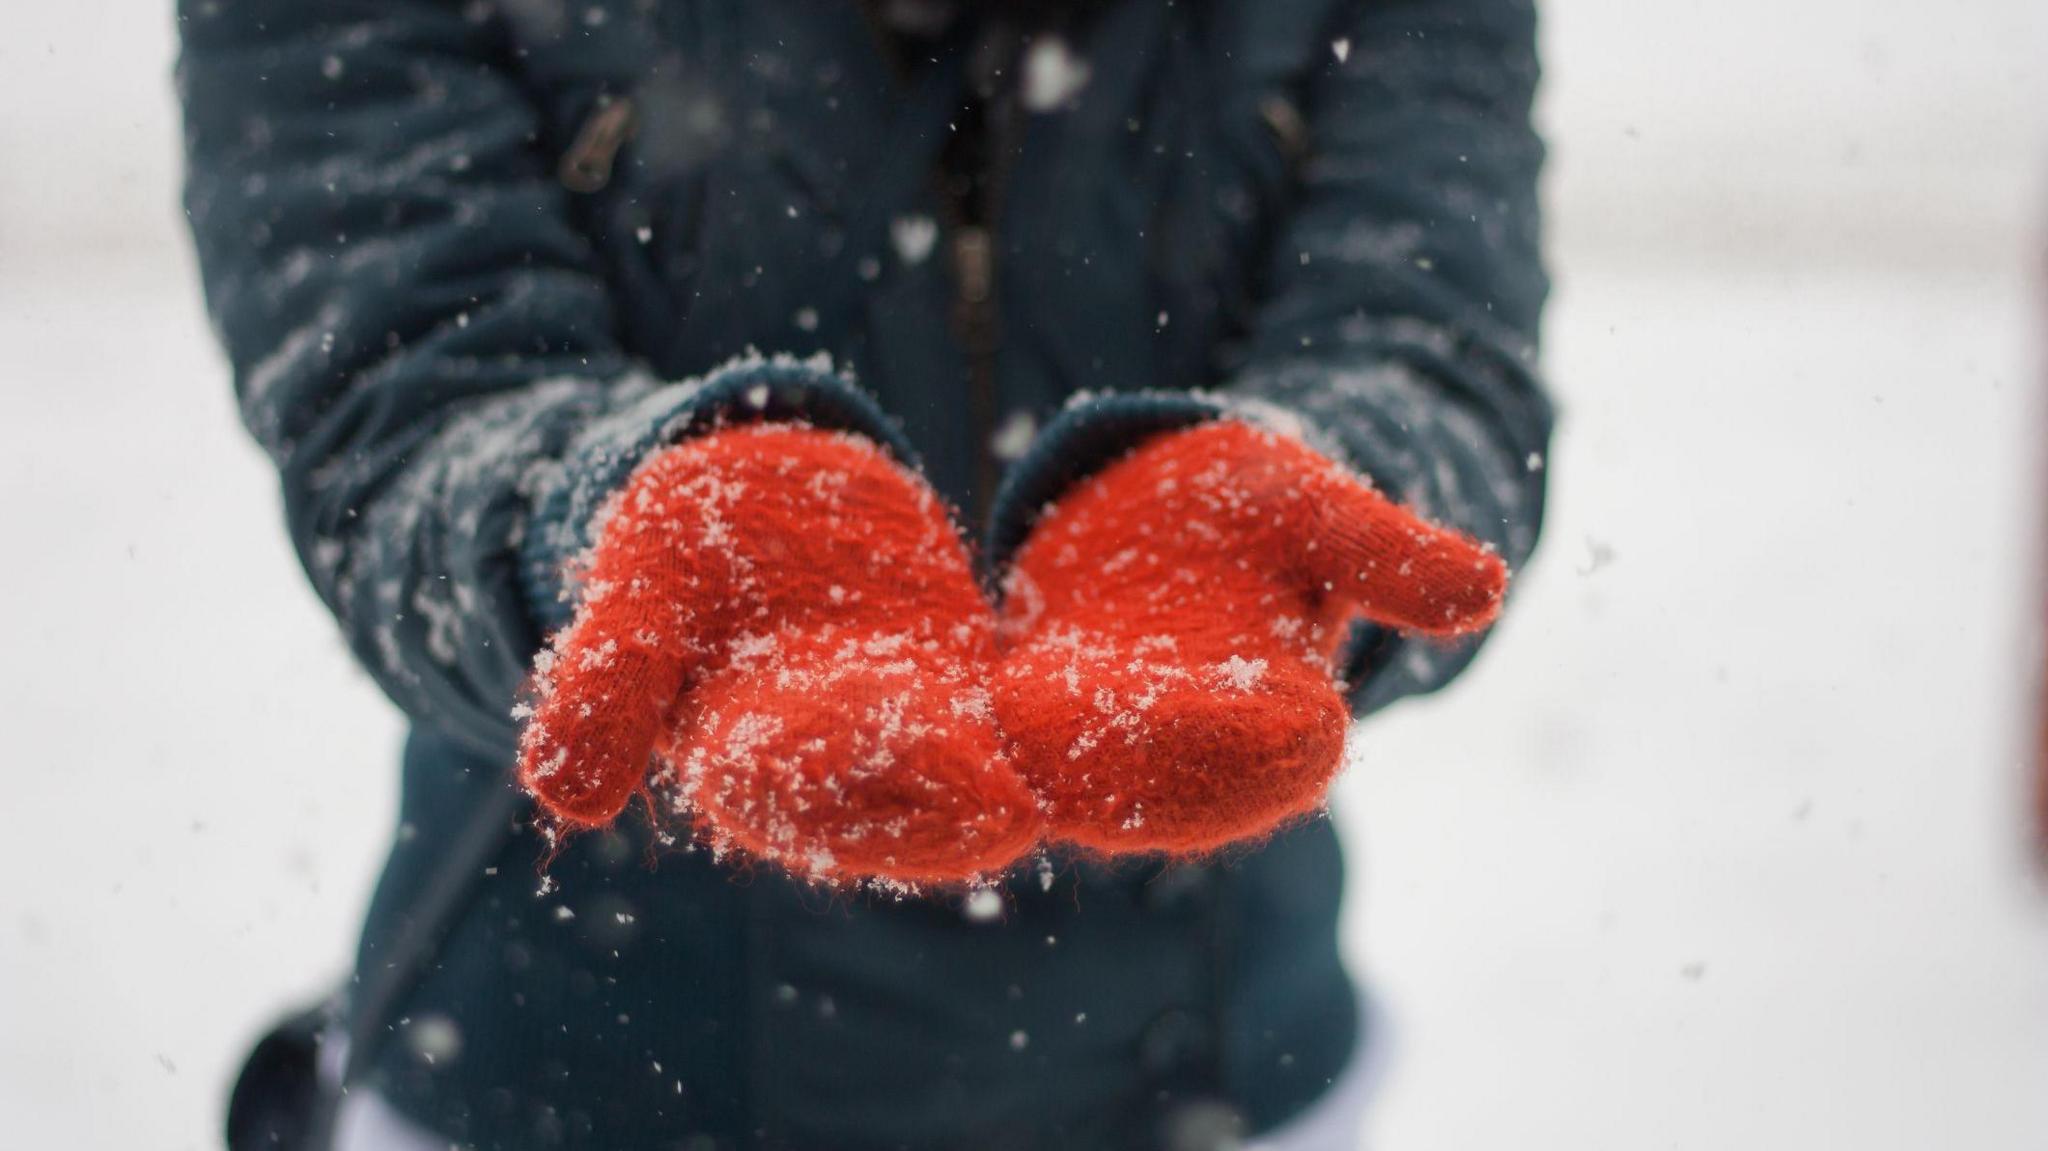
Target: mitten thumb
{"type": "Point", "coordinates": [609, 680]}
{"type": "Point", "coordinates": [1398, 568]}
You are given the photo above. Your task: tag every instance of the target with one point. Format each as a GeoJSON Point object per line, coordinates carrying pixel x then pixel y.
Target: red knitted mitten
{"type": "Point", "coordinates": [1169, 629]}
{"type": "Point", "coordinates": [786, 620]}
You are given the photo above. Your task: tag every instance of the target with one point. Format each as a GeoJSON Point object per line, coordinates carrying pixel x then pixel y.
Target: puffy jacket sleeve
{"type": "Point", "coordinates": [1398, 319]}
{"type": "Point", "coordinates": [419, 338]}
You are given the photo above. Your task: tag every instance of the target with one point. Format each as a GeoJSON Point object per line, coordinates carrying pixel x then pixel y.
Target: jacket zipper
{"type": "Point", "coordinates": [974, 319]}
{"type": "Point", "coordinates": [971, 248]}
{"type": "Point", "coordinates": [976, 315]}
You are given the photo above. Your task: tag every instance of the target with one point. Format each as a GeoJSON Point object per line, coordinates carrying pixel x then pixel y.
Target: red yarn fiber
{"type": "Point", "coordinates": [783, 622]}
{"type": "Point", "coordinates": [1169, 629]}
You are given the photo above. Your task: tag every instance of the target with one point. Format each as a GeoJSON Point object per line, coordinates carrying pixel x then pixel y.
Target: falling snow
{"type": "Point", "coordinates": [914, 237]}
{"type": "Point", "coordinates": [1053, 74]}
{"type": "Point", "coordinates": [1012, 438]}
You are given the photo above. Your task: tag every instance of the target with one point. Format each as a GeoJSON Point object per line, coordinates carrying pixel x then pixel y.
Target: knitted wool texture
{"type": "Point", "coordinates": [784, 623]}
{"type": "Point", "coordinates": [1170, 626]}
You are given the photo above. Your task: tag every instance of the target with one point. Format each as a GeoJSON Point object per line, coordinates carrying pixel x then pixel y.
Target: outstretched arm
{"type": "Point", "coordinates": [421, 338]}
{"type": "Point", "coordinates": [1398, 325]}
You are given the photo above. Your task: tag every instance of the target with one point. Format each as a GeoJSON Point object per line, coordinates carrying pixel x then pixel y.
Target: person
{"type": "Point", "coordinates": [679, 333]}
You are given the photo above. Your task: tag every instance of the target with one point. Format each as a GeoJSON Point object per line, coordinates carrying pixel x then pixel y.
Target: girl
{"type": "Point", "coordinates": [672, 328]}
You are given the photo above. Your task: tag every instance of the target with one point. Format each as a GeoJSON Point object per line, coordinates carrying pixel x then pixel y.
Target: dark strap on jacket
{"type": "Point", "coordinates": [281, 1100]}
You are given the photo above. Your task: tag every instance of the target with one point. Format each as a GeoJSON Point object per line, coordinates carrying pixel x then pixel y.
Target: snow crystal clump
{"type": "Point", "coordinates": [974, 703]}
{"type": "Point", "coordinates": [1239, 673]}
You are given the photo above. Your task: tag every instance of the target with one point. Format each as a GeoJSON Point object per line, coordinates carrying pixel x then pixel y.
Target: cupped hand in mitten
{"type": "Point", "coordinates": [781, 641]}
{"type": "Point", "coordinates": [1169, 629]}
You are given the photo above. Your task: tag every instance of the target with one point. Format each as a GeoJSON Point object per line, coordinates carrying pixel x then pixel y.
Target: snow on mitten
{"type": "Point", "coordinates": [784, 622]}
{"type": "Point", "coordinates": [1170, 625]}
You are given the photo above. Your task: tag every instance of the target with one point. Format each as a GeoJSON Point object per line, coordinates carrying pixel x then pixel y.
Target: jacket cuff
{"type": "Point", "coordinates": [1089, 434]}
{"type": "Point", "coordinates": [566, 496]}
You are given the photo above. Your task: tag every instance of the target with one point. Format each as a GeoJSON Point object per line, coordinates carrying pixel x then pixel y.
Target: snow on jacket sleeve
{"type": "Point", "coordinates": [1397, 327]}
{"type": "Point", "coordinates": [419, 338]}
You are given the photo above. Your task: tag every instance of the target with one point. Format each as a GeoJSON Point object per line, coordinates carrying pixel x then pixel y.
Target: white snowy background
{"type": "Point", "coordinates": [1719, 847]}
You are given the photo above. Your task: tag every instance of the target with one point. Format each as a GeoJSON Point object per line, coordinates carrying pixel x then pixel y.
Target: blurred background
{"type": "Point", "coordinates": [1721, 845]}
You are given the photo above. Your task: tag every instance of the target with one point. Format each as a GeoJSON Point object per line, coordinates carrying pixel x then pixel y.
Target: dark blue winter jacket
{"type": "Point", "coordinates": [473, 259]}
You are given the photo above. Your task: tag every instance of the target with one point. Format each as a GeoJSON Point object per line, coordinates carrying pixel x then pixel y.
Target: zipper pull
{"type": "Point", "coordinates": [974, 264]}
{"type": "Point", "coordinates": [587, 165]}
{"type": "Point", "coordinates": [1289, 128]}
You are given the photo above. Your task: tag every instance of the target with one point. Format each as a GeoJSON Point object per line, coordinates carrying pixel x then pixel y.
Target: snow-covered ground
{"type": "Point", "coordinates": [1719, 847]}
